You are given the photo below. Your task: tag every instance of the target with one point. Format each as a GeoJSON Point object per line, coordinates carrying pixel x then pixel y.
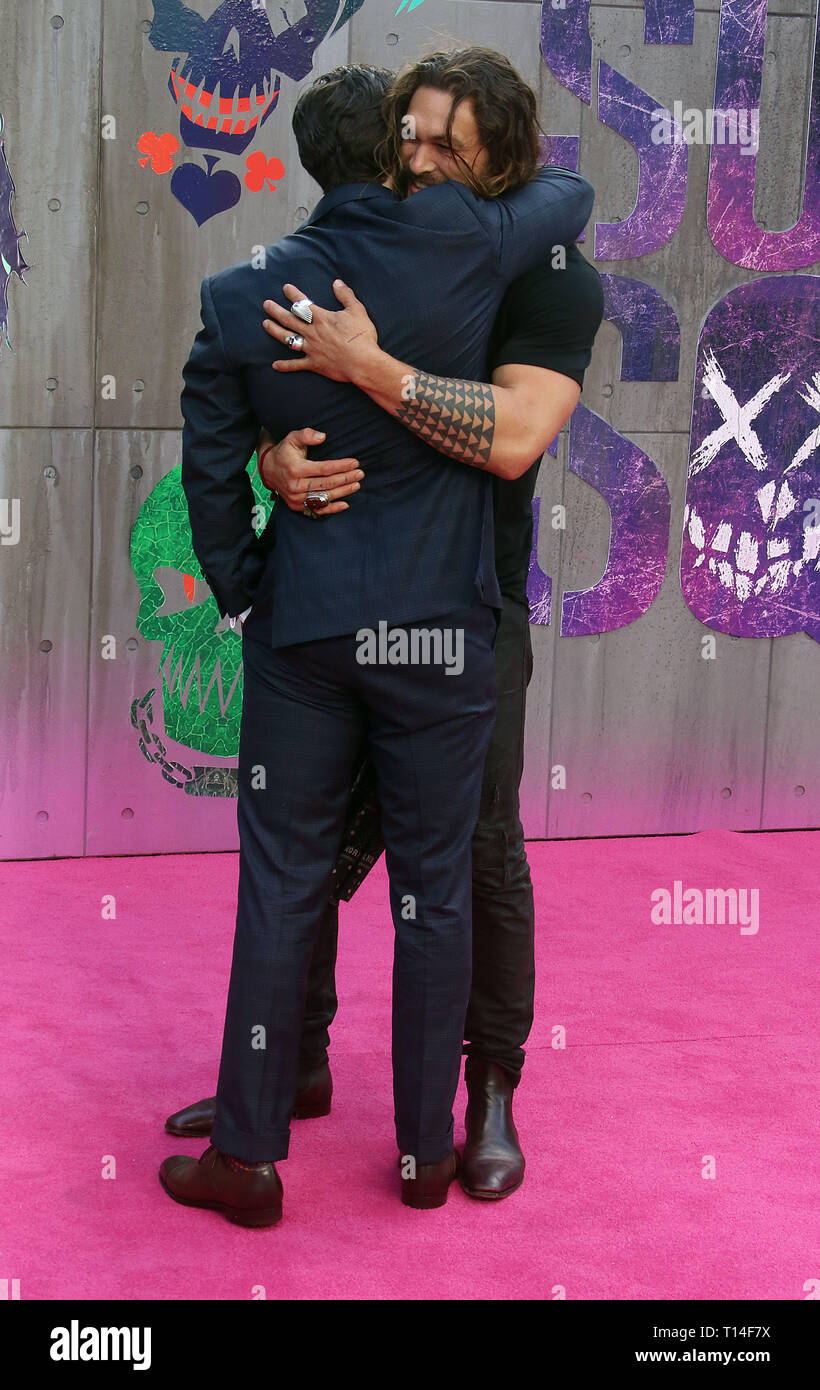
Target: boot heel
{"type": "Point", "coordinates": [420, 1200]}
{"type": "Point", "coordinates": [431, 1188]}
{"type": "Point", "coordinates": [314, 1100]}
{"type": "Point", "coordinates": [311, 1111]}
{"type": "Point", "coordinates": [267, 1217]}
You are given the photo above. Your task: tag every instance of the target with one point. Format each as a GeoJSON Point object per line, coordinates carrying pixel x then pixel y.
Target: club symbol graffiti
{"type": "Point", "coordinates": [225, 80]}
{"type": "Point", "coordinates": [158, 151]}
{"type": "Point", "coordinates": [261, 171]}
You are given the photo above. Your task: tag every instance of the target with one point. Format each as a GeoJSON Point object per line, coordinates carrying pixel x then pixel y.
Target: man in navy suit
{"type": "Point", "coordinates": [329, 647]}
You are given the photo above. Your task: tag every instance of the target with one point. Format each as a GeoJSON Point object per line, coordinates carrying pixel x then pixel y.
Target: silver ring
{"type": "Point", "coordinates": [295, 341]}
{"type": "Point", "coordinates": [319, 499]}
{"type": "Point", "coordinates": [302, 310]}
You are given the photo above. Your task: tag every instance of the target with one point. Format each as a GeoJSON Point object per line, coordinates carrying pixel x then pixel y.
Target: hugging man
{"type": "Point", "coordinates": [415, 545]}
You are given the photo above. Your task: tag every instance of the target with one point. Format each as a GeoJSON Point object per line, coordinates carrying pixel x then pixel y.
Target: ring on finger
{"type": "Point", "coordinates": [315, 501]}
{"type": "Point", "coordinates": [294, 341]}
{"type": "Point", "coordinates": [302, 310]}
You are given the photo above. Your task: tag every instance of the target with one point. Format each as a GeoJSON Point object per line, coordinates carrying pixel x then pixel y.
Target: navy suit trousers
{"type": "Point", "coordinates": [307, 712]}
{"type": "Point", "coordinates": [500, 1012]}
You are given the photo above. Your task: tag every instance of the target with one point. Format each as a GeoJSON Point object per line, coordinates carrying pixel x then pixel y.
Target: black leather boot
{"type": "Point", "coordinates": [429, 1186]}
{"type": "Point", "coordinates": [492, 1162]}
{"type": "Point", "coordinates": [312, 1100]}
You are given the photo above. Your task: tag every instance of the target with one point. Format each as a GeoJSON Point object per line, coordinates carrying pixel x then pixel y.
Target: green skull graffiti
{"type": "Point", "coordinates": [201, 665]}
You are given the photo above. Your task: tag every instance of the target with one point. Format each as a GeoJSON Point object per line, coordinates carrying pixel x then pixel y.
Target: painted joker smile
{"type": "Point", "coordinates": [233, 115]}
{"type": "Point", "coordinates": [227, 77]}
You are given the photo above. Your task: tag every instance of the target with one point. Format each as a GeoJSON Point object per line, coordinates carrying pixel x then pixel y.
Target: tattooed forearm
{"type": "Point", "coordinates": [456, 417]}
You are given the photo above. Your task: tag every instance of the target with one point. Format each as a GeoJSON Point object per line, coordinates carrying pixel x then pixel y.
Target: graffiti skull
{"type": "Point", "coordinates": [750, 559]}
{"type": "Point", "coordinates": [201, 664]}
{"type": "Point", "coordinates": [227, 82]}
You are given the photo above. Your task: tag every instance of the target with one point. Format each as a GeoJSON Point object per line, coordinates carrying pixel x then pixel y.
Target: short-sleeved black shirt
{"type": "Point", "coordinates": [547, 318]}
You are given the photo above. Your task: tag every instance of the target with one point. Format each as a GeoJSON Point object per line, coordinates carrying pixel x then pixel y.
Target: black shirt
{"type": "Point", "coordinates": [547, 318]}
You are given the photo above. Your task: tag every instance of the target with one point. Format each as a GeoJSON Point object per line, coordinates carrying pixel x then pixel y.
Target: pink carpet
{"type": "Point", "coordinates": [683, 1043]}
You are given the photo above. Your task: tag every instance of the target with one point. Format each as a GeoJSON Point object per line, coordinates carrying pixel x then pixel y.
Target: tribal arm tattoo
{"type": "Point", "coordinates": [501, 428]}
{"type": "Point", "coordinates": [456, 417]}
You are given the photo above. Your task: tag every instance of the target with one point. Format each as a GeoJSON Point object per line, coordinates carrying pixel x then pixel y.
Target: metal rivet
{"type": "Point", "coordinates": [46, 646]}
{"type": "Point", "coordinates": [586, 796]}
{"type": "Point", "coordinates": [42, 816]}
{"type": "Point", "coordinates": [57, 21]}
{"type": "Point", "coordinates": [391, 39]}
{"type": "Point", "coordinates": [800, 791]}
{"type": "Point", "coordinates": [139, 385]}
{"type": "Point", "coordinates": [301, 213]}
{"type": "Point", "coordinates": [606, 390]}
{"type": "Point", "coordinates": [136, 472]}
{"type": "Point", "coordinates": [54, 204]}
{"type": "Point", "coordinates": [727, 793]}
{"type": "Point", "coordinates": [145, 26]}
{"type": "Point", "coordinates": [132, 644]}
{"type": "Point", "coordinates": [50, 472]}
{"type": "Point", "coordinates": [142, 208]}
{"type": "Point", "coordinates": [127, 813]}
{"type": "Point", "coordinates": [51, 383]}
{"type": "Point", "coordinates": [624, 51]}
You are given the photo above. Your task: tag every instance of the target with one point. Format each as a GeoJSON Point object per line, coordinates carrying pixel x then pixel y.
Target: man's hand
{"type": "Point", "coordinates": [286, 469]}
{"type": "Point", "coordinates": [336, 344]}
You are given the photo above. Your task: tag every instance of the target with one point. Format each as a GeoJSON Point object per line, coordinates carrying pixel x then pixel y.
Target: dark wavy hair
{"type": "Point", "coordinates": [338, 122]}
{"type": "Point", "coordinates": [506, 113]}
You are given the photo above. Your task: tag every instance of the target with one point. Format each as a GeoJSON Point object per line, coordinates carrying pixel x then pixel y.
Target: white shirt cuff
{"type": "Point", "coordinates": [240, 617]}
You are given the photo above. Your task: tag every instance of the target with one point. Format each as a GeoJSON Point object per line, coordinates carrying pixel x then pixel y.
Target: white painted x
{"type": "Point", "coordinates": [737, 418]}
{"type": "Point", "coordinates": [812, 398]}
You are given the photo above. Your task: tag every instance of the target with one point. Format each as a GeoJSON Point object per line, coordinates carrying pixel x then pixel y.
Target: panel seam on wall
{"type": "Point", "coordinates": [765, 763]}
{"type": "Point", "coordinates": [94, 419]}
{"type": "Point", "coordinates": [556, 599]}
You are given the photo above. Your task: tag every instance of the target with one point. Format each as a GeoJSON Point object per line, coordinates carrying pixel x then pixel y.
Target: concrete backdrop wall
{"type": "Point", "coordinates": [675, 613]}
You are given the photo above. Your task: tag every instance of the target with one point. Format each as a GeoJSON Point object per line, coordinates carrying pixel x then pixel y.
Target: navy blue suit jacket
{"type": "Point", "coordinates": [418, 538]}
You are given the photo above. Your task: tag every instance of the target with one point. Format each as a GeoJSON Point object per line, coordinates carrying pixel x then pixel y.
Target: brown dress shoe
{"type": "Point", "coordinates": [312, 1100]}
{"type": "Point", "coordinates": [252, 1198]}
{"type": "Point", "coordinates": [431, 1184]}
{"type": "Point", "coordinates": [492, 1164]}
